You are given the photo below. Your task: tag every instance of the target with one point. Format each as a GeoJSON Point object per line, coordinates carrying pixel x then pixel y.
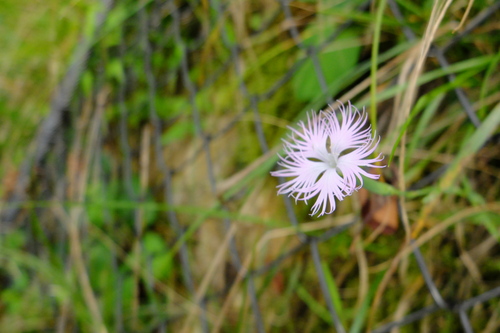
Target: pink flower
{"type": "Point", "coordinates": [325, 157]}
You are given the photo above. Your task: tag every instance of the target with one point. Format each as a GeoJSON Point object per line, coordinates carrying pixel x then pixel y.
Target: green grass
{"type": "Point", "coordinates": [128, 274]}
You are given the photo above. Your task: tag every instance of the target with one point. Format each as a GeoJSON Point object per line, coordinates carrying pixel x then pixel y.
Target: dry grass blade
{"type": "Point", "coordinates": [464, 18]}
{"type": "Point", "coordinates": [438, 11]}
{"type": "Point", "coordinates": [76, 214]}
{"type": "Point", "coordinates": [237, 178]}
{"type": "Point", "coordinates": [439, 228]}
{"type": "Point", "coordinates": [214, 265]}
{"type": "Point", "coordinates": [284, 232]}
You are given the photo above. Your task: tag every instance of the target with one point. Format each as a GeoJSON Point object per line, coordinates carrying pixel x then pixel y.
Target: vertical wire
{"type": "Point", "coordinates": [464, 320]}
{"type": "Point", "coordinates": [172, 217]}
{"type": "Point", "coordinates": [211, 175]}
{"type": "Point", "coordinates": [324, 287]}
{"type": "Point", "coordinates": [312, 53]}
{"type": "Point", "coordinates": [427, 277]}
{"type": "Point", "coordinates": [127, 175]}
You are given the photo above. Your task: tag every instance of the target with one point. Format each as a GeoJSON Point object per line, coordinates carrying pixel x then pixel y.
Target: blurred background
{"type": "Point", "coordinates": [137, 137]}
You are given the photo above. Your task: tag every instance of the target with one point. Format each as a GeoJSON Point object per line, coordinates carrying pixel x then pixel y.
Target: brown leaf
{"type": "Point", "coordinates": [379, 212]}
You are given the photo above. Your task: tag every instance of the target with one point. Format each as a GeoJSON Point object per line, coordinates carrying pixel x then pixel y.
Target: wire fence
{"type": "Point", "coordinates": [87, 117]}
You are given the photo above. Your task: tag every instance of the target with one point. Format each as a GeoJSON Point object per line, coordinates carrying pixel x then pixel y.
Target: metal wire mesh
{"type": "Point", "coordinates": [164, 25]}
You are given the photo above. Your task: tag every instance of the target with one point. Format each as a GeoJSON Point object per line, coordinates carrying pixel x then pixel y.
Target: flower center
{"type": "Point", "coordinates": [333, 157]}
{"type": "Point", "coordinates": [333, 160]}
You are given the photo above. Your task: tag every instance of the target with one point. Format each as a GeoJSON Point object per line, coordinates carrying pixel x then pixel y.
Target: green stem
{"type": "Point", "coordinates": [374, 61]}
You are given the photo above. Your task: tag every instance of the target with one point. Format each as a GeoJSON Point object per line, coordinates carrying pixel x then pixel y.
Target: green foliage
{"type": "Point", "coordinates": [319, 309]}
{"type": "Point", "coordinates": [114, 71]}
{"type": "Point", "coordinates": [361, 315]}
{"type": "Point", "coordinates": [156, 250]}
{"type": "Point", "coordinates": [334, 291]}
{"type": "Point", "coordinates": [337, 59]}
{"type": "Point", "coordinates": [178, 131]}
